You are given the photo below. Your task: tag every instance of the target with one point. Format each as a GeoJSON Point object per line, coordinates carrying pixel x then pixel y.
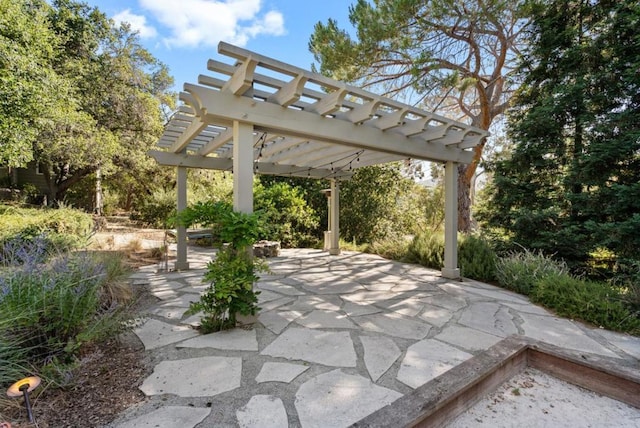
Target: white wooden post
{"type": "Point", "coordinates": [334, 250]}
{"type": "Point", "coordinates": [242, 167]}
{"type": "Point", "coordinates": [450, 269]}
{"type": "Point", "coordinates": [181, 256]}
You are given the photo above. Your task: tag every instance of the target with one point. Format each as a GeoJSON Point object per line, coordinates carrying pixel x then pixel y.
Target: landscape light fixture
{"type": "Point", "coordinates": [22, 388]}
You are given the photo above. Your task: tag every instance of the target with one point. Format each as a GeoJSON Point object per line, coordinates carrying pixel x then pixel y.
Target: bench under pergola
{"type": "Point", "coordinates": [262, 116]}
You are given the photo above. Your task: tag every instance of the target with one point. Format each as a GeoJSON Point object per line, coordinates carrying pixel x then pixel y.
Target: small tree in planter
{"type": "Point", "coordinates": [233, 272]}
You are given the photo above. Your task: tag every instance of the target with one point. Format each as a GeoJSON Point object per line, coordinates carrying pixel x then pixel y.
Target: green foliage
{"type": "Point", "coordinates": [53, 230]}
{"type": "Point", "coordinates": [78, 94]}
{"type": "Point", "coordinates": [286, 215]}
{"type": "Point", "coordinates": [570, 184]}
{"type": "Point", "coordinates": [232, 275]}
{"type": "Point", "coordinates": [436, 52]}
{"type": "Point", "coordinates": [393, 248]}
{"type": "Point", "coordinates": [627, 279]}
{"type": "Point", "coordinates": [31, 93]}
{"type": "Point", "coordinates": [594, 302]}
{"type": "Point", "coordinates": [476, 258]}
{"type": "Point", "coordinates": [157, 210]}
{"type": "Point", "coordinates": [14, 354]}
{"type": "Point", "coordinates": [233, 272]}
{"type": "Point", "coordinates": [311, 190]}
{"type": "Point", "coordinates": [519, 271]}
{"type": "Point", "coordinates": [428, 250]}
{"type": "Point", "coordinates": [372, 204]}
{"type": "Point", "coordinates": [51, 310]}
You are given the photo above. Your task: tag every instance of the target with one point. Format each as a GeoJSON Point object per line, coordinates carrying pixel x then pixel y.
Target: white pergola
{"type": "Point", "coordinates": [262, 116]}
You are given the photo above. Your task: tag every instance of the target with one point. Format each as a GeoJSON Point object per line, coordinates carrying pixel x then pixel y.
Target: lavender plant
{"type": "Point", "coordinates": [54, 308]}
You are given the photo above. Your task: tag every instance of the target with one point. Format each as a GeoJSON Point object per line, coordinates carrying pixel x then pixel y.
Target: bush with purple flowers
{"type": "Point", "coordinates": [51, 305]}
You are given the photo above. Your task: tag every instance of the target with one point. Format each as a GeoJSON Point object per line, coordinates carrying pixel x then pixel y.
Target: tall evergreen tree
{"type": "Point", "coordinates": [572, 181]}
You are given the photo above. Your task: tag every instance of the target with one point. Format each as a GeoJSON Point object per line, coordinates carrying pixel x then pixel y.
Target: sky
{"type": "Point", "coordinates": [184, 34]}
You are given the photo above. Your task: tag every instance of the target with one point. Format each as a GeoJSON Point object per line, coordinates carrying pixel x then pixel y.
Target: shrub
{"type": "Point", "coordinates": [55, 308]}
{"type": "Point", "coordinates": [594, 302]}
{"type": "Point", "coordinates": [519, 271]}
{"type": "Point", "coordinates": [52, 230]}
{"type": "Point", "coordinates": [428, 250]}
{"type": "Point", "coordinates": [286, 215]}
{"type": "Point", "coordinates": [231, 274]}
{"type": "Point", "coordinates": [156, 210]}
{"type": "Point", "coordinates": [393, 248]}
{"type": "Point", "coordinates": [13, 354]}
{"type": "Point", "coordinates": [627, 280]}
{"type": "Point", "coordinates": [476, 258]}
{"type": "Point", "coordinates": [475, 255]}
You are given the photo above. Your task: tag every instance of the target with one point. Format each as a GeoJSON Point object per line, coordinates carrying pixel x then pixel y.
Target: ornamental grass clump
{"type": "Point", "coordinates": [518, 271]}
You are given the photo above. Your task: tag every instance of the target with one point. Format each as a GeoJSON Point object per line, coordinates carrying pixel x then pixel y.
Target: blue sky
{"type": "Point", "coordinates": [184, 34]}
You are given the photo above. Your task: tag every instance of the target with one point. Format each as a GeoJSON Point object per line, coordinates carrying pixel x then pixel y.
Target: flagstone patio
{"type": "Point", "coordinates": [338, 338]}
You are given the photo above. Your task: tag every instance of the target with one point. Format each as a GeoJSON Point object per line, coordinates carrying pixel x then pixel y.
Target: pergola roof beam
{"type": "Point", "coordinates": [225, 107]}
{"type": "Point", "coordinates": [217, 142]}
{"type": "Point", "coordinates": [330, 103]}
{"type": "Point", "coordinates": [242, 79]}
{"type": "Point", "coordinates": [189, 133]}
{"type": "Point", "coordinates": [289, 93]}
{"type": "Point", "coordinates": [284, 144]}
{"type": "Point", "coordinates": [361, 113]}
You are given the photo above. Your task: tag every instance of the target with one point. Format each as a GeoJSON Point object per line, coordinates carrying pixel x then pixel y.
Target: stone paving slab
{"type": "Point", "coordinates": [263, 411]}
{"type": "Point", "coordinates": [315, 346]}
{"type": "Point", "coordinates": [194, 377]}
{"type": "Point", "coordinates": [393, 325]}
{"type": "Point", "coordinates": [312, 303]}
{"type": "Point", "coordinates": [390, 326]}
{"type": "Point", "coordinates": [467, 338]}
{"type": "Point", "coordinates": [329, 400]}
{"type": "Point", "coordinates": [435, 315]}
{"type": "Point", "coordinates": [325, 319]}
{"type": "Point", "coordinates": [280, 372]}
{"type": "Point", "coordinates": [490, 317]}
{"type": "Point", "coordinates": [276, 321]}
{"type": "Point", "coordinates": [278, 287]}
{"type": "Point", "coordinates": [231, 340]}
{"type": "Point", "coordinates": [561, 332]}
{"type": "Point", "coordinates": [169, 417]}
{"type": "Point", "coordinates": [379, 354]}
{"type": "Point", "coordinates": [155, 334]}
{"type": "Point", "coordinates": [428, 359]}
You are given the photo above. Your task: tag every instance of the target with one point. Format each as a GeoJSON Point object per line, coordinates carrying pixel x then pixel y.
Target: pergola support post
{"type": "Point", "coordinates": [181, 256]}
{"type": "Point", "coordinates": [242, 167]}
{"type": "Point", "coordinates": [450, 269]}
{"type": "Point", "coordinates": [334, 249]}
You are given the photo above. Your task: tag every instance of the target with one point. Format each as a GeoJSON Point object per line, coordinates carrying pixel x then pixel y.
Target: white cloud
{"type": "Point", "coordinates": [196, 23]}
{"type": "Point", "coordinates": [137, 22]}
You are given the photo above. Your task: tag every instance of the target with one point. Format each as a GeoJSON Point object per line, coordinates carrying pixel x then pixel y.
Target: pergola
{"type": "Point", "coordinates": [262, 116]}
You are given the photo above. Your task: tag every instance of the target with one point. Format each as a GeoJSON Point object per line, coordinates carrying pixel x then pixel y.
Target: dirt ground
{"type": "Point", "coordinates": [106, 379]}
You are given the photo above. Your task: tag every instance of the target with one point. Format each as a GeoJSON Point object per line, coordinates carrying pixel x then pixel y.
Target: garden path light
{"type": "Point", "coordinates": [24, 387]}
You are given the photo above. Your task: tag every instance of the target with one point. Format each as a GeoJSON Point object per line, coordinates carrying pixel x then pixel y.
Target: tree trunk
{"type": "Point", "coordinates": [464, 200]}
{"type": "Point", "coordinates": [465, 178]}
{"type": "Point", "coordinates": [98, 210]}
